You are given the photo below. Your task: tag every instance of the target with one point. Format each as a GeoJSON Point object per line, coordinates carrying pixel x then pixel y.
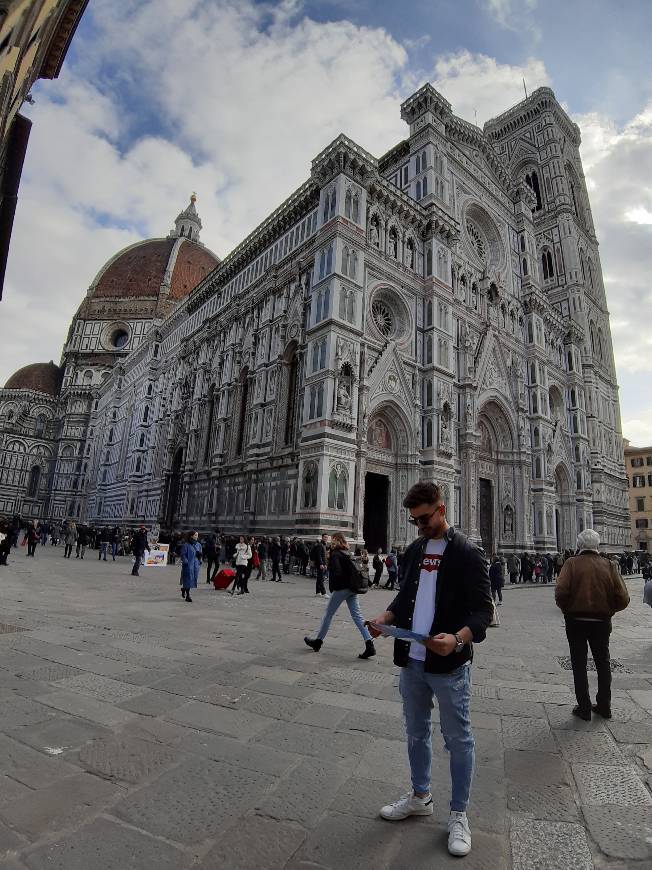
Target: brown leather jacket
{"type": "Point", "coordinates": [590, 586]}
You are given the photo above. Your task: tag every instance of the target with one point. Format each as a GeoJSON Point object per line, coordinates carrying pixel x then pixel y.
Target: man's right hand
{"type": "Point", "coordinates": [384, 618]}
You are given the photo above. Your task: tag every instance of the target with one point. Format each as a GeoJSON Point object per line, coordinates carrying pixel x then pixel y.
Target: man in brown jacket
{"type": "Point", "coordinates": [589, 591]}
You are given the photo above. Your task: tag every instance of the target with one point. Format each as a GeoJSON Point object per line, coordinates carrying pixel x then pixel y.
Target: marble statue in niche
{"type": "Point", "coordinates": [343, 397]}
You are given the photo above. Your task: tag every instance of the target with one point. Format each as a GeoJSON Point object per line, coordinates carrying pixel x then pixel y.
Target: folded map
{"type": "Point", "coordinates": [400, 633]}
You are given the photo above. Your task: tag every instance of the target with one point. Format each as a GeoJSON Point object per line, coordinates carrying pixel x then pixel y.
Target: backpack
{"type": "Point", "coordinates": [358, 582]}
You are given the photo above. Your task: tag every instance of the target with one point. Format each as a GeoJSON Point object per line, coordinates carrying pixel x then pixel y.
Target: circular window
{"type": "Point", "coordinates": [476, 240]}
{"type": "Point", "coordinates": [383, 317]}
{"type": "Point", "coordinates": [119, 338]}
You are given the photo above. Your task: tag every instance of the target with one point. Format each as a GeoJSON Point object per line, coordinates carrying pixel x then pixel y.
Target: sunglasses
{"type": "Point", "coordinates": [424, 519]}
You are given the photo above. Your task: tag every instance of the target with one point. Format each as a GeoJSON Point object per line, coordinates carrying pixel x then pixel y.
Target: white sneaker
{"type": "Point", "coordinates": [407, 805]}
{"type": "Point", "coordinates": [459, 834]}
{"type": "Point", "coordinates": [325, 595]}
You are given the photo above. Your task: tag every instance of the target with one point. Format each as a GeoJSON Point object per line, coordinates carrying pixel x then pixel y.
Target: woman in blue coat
{"type": "Point", "coordinates": [190, 562]}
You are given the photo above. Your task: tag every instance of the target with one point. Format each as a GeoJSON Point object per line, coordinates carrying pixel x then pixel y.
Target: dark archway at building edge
{"type": "Point", "coordinates": [174, 489]}
{"type": "Point", "coordinates": [376, 511]}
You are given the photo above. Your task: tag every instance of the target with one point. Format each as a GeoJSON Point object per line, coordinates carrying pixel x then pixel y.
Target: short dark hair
{"type": "Point", "coordinates": [423, 492]}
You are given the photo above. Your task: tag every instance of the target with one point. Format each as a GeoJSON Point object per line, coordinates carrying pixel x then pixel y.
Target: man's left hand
{"type": "Point", "coordinates": [441, 644]}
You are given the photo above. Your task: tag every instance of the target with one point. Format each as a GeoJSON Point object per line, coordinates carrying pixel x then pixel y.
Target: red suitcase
{"type": "Point", "coordinates": [223, 578]}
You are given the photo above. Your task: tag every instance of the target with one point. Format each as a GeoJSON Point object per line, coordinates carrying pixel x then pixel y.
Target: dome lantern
{"type": "Point", "coordinates": [188, 222]}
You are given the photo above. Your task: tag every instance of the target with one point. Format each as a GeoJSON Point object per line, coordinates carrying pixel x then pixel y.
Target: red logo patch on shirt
{"type": "Point", "coordinates": [431, 562]}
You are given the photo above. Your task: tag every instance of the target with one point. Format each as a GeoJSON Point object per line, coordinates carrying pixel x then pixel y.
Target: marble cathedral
{"type": "Point", "coordinates": [437, 312]}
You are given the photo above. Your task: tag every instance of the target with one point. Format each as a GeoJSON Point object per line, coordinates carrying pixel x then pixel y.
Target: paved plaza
{"type": "Point", "coordinates": [138, 731]}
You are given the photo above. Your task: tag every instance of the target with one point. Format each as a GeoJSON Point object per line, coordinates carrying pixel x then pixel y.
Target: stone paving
{"type": "Point", "coordinates": [138, 731]}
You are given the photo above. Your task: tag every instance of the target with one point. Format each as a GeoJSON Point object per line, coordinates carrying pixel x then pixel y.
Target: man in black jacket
{"type": "Point", "coordinates": [445, 595]}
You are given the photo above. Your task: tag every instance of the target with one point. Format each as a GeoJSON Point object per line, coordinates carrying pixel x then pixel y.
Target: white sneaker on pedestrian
{"type": "Point", "coordinates": [459, 834]}
{"type": "Point", "coordinates": [407, 805]}
{"type": "Point", "coordinates": [325, 595]}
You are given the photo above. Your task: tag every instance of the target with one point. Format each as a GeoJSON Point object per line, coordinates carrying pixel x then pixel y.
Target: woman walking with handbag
{"type": "Point", "coordinates": [341, 583]}
{"type": "Point", "coordinates": [242, 558]}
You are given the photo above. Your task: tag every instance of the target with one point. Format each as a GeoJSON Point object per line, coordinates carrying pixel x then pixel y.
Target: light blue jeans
{"type": "Point", "coordinates": [453, 693]}
{"type": "Point", "coordinates": [336, 599]}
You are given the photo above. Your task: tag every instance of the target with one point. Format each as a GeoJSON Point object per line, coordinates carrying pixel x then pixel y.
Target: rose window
{"type": "Point", "coordinates": [476, 240]}
{"type": "Point", "coordinates": [383, 317]}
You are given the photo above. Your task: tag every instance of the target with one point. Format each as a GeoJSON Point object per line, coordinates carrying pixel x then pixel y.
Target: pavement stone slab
{"type": "Point", "coordinates": [341, 841]}
{"type": "Point", "coordinates": [521, 733]}
{"type": "Point", "coordinates": [562, 719]}
{"type": "Point", "coordinates": [209, 717]}
{"type": "Point", "coordinates": [60, 735]}
{"type": "Point", "coordinates": [104, 844]}
{"type": "Point", "coordinates": [593, 747]}
{"type": "Point", "coordinates": [11, 790]}
{"type": "Point", "coordinates": [87, 708]}
{"type": "Point", "coordinates": [270, 844]}
{"type": "Point", "coordinates": [320, 716]}
{"type": "Point", "coordinates": [50, 672]}
{"type": "Point", "coordinates": [358, 702]}
{"type": "Point", "coordinates": [536, 769]}
{"type": "Point", "coordinates": [631, 732]}
{"type": "Point", "coordinates": [385, 760]}
{"type": "Point", "coordinates": [425, 846]}
{"type": "Point", "coordinates": [126, 758]}
{"type": "Point", "coordinates": [30, 767]}
{"type": "Point", "coordinates": [621, 832]}
{"type": "Point", "coordinates": [545, 845]}
{"type": "Point", "coordinates": [304, 740]}
{"type": "Point", "coordinates": [152, 703]}
{"type": "Point", "coordinates": [59, 805]}
{"type": "Point", "coordinates": [320, 781]}
{"type": "Point", "coordinates": [272, 687]}
{"type": "Point", "coordinates": [508, 707]}
{"type": "Point", "coordinates": [193, 801]}
{"type": "Point", "coordinates": [551, 802]}
{"type": "Point", "coordinates": [99, 687]}
{"type": "Point", "coordinates": [377, 725]}
{"type": "Point", "coordinates": [602, 785]}
{"type": "Point", "coordinates": [16, 710]}
{"type": "Point", "coordinates": [642, 698]}
{"type": "Point", "coordinates": [248, 756]}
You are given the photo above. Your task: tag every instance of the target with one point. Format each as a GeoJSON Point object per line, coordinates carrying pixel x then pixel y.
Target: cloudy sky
{"type": "Point", "coordinates": [233, 98]}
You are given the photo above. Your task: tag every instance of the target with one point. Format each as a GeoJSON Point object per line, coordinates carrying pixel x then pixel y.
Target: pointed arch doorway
{"type": "Point", "coordinates": [496, 479]}
{"type": "Point", "coordinates": [174, 489]}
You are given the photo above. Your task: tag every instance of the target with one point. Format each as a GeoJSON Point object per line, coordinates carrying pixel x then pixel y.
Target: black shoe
{"type": "Point", "coordinates": [369, 650]}
{"type": "Point", "coordinates": [188, 598]}
{"type": "Point", "coordinates": [313, 644]}
{"type": "Point", "coordinates": [581, 714]}
{"type": "Point", "coordinates": [606, 714]}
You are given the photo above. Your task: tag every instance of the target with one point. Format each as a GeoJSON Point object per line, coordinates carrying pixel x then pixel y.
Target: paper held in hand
{"type": "Point", "coordinates": [400, 633]}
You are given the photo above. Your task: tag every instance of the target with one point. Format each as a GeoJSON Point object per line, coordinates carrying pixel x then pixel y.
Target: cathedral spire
{"type": "Point", "coordinates": [188, 222]}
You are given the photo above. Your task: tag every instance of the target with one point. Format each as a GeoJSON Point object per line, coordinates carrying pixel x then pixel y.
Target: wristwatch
{"type": "Point", "coordinates": [460, 644]}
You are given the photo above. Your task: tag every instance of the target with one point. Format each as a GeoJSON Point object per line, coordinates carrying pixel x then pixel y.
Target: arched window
{"type": "Point", "coordinates": [429, 349]}
{"type": "Point", "coordinates": [141, 443]}
{"type": "Point", "coordinates": [600, 344]}
{"type": "Point", "coordinates": [533, 373]}
{"type": "Point", "coordinates": [208, 430]}
{"type": "Point", "coordinates": [291, 418]}
{"type": "Point", "coordinates": [348, 204]}
{"type": "Point", "coordinates": [418, 190]}
{"type": "Point", "coordinates": [356, 208]}
{"type": "Point", "coordinates": [474, 295]}
{"type": "Point", "coordinates": [353, 265]}
{"type": "Point", "coordinates": [333, 203]}
{"type": "Point", "coordinates": [524, 266]}
{"type": "Point", "coordinates": [350, 307]}
{"type": "Point", "coordinates": [242, 421]}
{"type": "Point", "coordinates": [417, 167]}
{"type": "Point", "coordinates": [329, 260]}
{"type": "Point", "coordinates": [39, 428]}
{"type": "Point", "coordinates": [310, 478]}
{"type": "Point", "coordinates": [578, 480]}
{"type": "Point", "coordinates": [577, 453]}
{"type": "Point", "coordinates": [569, 357]}
{"type": "Point", "coordinates": [537, 468]}
{"type": "Point", "coordinates": [425, 186]}
{"type": "Point", "coordinates": [345, 261]}
{"type": "Point", "coordinates": [429, 261]}
{"type": "Point", "coordinates": [537, 437]}
{"type": "Point", "coordinates": [338, 488]}
{"type": "Point", "coordinates": [326, 303]}
{"type": "Point", "coordinates": [547, 265]}
{"type": "Point", "coordinates": [429, 393]}
{"type": "Point", "coordinates": [429, 313]}
{"type": "Point", "coordinates": [326, 207]}
{"type": "Point", "coordinates": [443, 353]}
{"type": "Point", "coordinates": [423, 161]}
{"type": "Point", "coordinates": [573, 398]}
{"type": "Point", "coordinates": [535, 402]}
{"type": "Point", "coordinates": [532, 180]}
{"type": "Point", "coordinates": [428, 433]}
{"type": "Point", "coordinates": [34, 480]}
{"type": "Point", "coordinates": [137, 464]}
{"type": "Point", "coordinates": [145, 419]}
{"type": "Point", "coordinates": [322, 265]}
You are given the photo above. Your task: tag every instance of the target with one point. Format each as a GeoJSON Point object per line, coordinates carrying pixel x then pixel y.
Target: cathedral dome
{"type": "Point", "coordinates": [41, 377]}
{"type": "Point", "coordinates": [175, 264]}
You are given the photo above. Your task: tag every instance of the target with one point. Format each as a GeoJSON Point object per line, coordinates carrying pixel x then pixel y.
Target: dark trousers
{"type": "Point", "coordinates": [211, 562]}
{"type": "Point", "coordinates": [139, 558]}
{"type": "Point", "coordinates": [391, 580]}
{"type": "Point", "coordinates": [320, 589]}
{"type": "Point", "coordinates": [377, 575]}
{"type": "Point", "coordinates": [241, 578]}
{"type": "Point", "coordinates": [513, 577]}
{"type": "Point", "coordinates": [276, 571]}
{"type": "Point", "coordinates": [31, 547]}
{"type": "Point", "coordinates": [67, 551]}
{"type": "Point", "coordinates": [596, 635]}
{"type": "Point", "coordinates": [497, 590]}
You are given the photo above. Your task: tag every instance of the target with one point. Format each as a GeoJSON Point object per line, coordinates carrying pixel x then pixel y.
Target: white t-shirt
{"type": "Point", "coordinates": [424, 605]}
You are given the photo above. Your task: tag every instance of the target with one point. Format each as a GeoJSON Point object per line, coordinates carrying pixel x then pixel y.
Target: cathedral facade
{"type": "Point", "coordinates": [435, 313]}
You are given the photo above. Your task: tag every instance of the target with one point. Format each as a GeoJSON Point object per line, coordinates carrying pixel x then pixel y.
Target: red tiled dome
{"type": "Point", "coordinates": [137, 272]}
{"type": "Point", "coordinates": [42, 377]}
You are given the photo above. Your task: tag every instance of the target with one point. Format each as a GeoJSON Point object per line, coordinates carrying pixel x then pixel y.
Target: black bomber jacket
{"type": "Point", "coordinates": [463, 597]}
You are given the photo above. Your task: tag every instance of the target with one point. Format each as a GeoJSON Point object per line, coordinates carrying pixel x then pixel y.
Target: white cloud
{"type": "Point", "coordinates": [510, 14]}
{"type": "Point", "coordinates": [475, 83]}
{"type": "Point", "coordinates": [638, 430]}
